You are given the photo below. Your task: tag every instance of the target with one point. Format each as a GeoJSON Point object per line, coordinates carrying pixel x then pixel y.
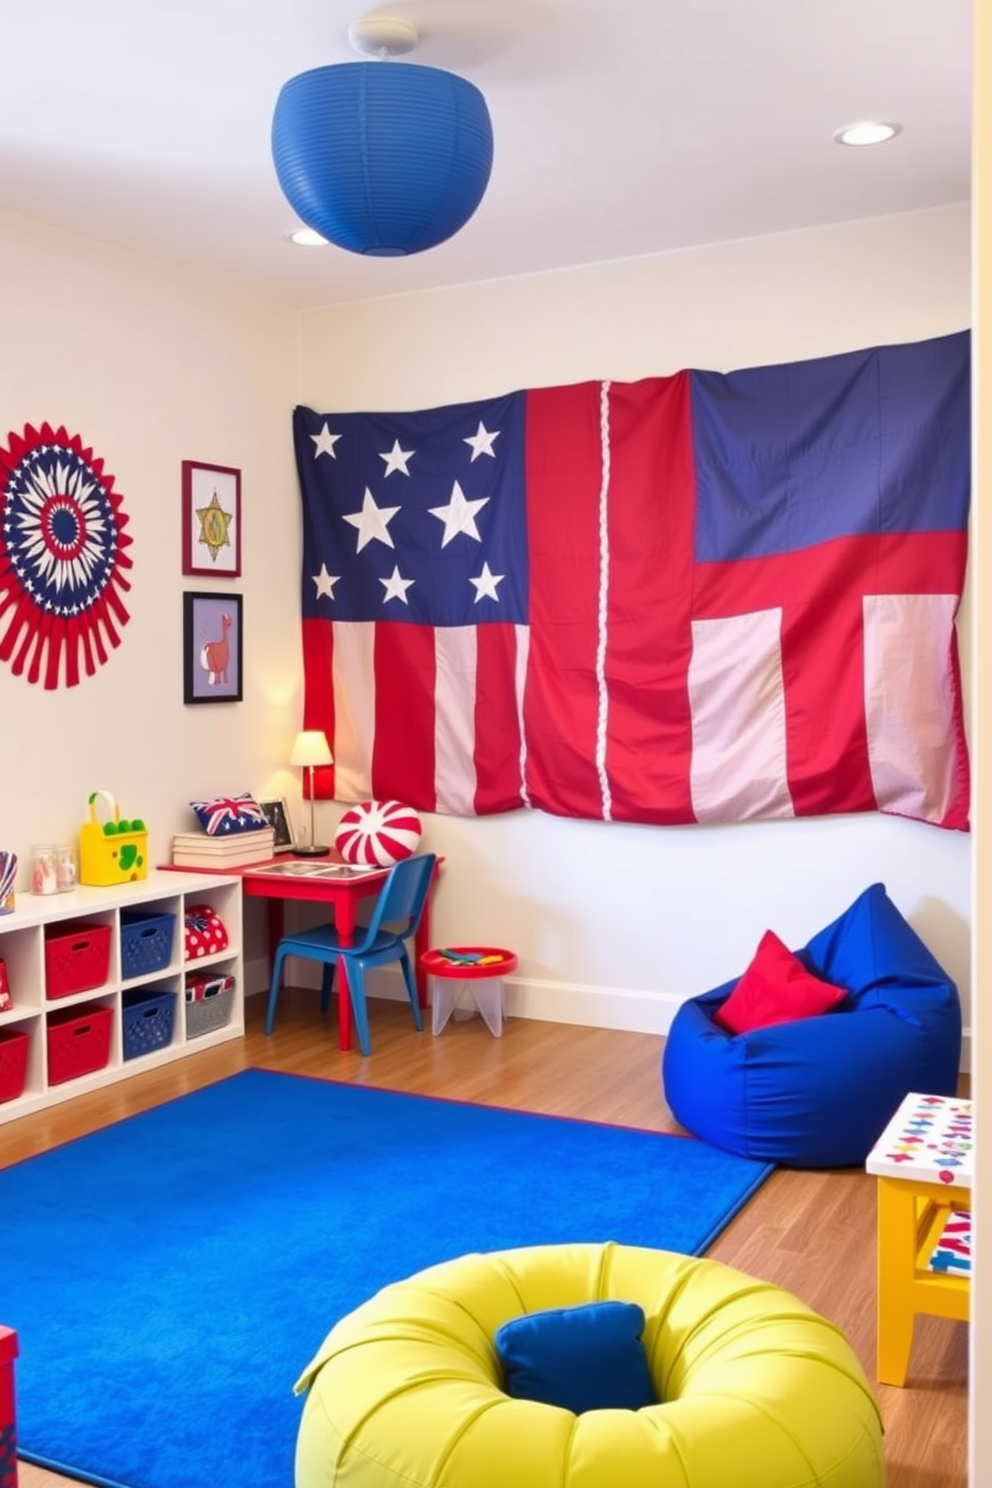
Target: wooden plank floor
{"type": "Point", "coordinates": [813, 1233]}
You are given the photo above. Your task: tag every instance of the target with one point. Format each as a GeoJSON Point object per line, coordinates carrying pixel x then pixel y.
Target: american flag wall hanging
{"type": "Point", "coordinates": [63, 558]}
{"type": "Point", "coordinates": [706, 597]}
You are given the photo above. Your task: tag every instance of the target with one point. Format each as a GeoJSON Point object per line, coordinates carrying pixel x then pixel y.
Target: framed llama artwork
{"type": "Point", "coordinates": [212, 648]}
{"type": "Point", "coordinates": [211, 520]}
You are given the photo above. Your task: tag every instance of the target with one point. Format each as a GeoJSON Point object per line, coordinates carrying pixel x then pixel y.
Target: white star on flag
{"type": "Point", "coordinates": [459, 515]}
{"type": "Point", "coordinates": [372, 522]}
{"type": "Point", "coordinates": [396, 459]}
{"type": "Point", "coordinates": [325, 582]}
{"type": "Point", "coordinates": [485, 584]}
{"type": "Point", "coordinates": [395, 587]}
{"type": "Point", "coordinates": [324, 442]}
{"type": "Point", "coordinates": [482, 442]}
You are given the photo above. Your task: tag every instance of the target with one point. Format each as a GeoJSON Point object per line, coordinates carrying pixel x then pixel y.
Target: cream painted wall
{"type": "Point", "coordinates": [151, 366]}
{"type": "Point", "coordinates": [619, 923]}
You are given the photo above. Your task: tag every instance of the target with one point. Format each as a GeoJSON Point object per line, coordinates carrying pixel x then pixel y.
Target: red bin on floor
{"type": "Point", "coordinates": [8, 1416]}
{"type": "Point", "coordinates": [13, 1066]}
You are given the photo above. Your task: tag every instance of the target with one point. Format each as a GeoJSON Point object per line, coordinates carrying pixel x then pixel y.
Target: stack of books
{"type": "Point", "coordinates": [238, 850]}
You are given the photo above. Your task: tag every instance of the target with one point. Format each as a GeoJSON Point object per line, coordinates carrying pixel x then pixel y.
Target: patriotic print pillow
{"type": "Point", "coordinates": [378, 832]}
{"type": "Point", "coordinates": [226, 815]}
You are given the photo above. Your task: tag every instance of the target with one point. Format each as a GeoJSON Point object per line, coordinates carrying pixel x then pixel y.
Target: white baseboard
{"type": "Point", "coordinates": [547, 1002]}
{"type": "Point", "coordinates": [592, 1007]}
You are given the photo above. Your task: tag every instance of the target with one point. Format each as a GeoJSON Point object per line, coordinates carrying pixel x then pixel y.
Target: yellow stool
{"type": "Point", "coordinates": [924, 1162]}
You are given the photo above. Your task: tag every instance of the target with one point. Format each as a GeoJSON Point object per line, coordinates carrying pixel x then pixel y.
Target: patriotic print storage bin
{"type": "Point", "coordinates": [209, 1003]}
{"type": "Point", "coordinates": [206, 933]}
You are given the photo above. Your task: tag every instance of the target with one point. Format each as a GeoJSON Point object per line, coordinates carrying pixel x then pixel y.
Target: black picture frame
{"type": "Point", "coordinates": [212, 621]}
{"type": "Point", "coordinates": [277, 816]}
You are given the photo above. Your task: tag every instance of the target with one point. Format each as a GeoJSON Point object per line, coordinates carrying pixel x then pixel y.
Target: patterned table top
{"type": "Point", "coordinates": [928, 1139]}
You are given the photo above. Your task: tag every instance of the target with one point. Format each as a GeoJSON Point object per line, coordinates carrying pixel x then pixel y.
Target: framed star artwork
{"type": "Point", "coordinates": [211, 520]}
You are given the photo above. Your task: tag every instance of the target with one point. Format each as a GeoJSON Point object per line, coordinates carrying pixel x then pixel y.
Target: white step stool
{"type": "Point", "coordinates": [478, 978]}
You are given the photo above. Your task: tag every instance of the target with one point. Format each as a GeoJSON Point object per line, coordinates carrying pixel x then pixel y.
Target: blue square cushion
{"type": "Point", "coordinates": [589, 1357]}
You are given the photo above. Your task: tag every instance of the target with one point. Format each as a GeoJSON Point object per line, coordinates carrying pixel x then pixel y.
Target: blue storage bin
{"type": "Point", "coordinates": [146, 942]}
{"type": "Point", "coordinates": [146, 1020]}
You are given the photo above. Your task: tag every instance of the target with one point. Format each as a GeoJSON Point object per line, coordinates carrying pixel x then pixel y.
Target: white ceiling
{"type": "Point", "coordinates": [622, 127]}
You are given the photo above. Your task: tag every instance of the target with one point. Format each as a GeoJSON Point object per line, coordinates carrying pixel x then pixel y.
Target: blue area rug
{"type": "Point", "coordinates": [170, 1276]}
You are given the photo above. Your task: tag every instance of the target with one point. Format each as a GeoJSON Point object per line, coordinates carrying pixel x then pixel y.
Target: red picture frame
{"type": "Point", "coordinates": [211, 520]}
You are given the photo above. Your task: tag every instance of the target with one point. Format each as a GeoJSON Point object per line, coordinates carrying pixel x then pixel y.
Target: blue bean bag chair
{"type": "Point", "coordinates": [816, 1092]}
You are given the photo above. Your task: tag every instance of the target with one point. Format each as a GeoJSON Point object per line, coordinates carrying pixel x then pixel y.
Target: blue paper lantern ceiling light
{"type": "Point", "coordinates": [382, 158]}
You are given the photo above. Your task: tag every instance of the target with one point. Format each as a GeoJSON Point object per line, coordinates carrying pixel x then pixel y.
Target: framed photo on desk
{"type": "Point", "coordinates": [277, 815]}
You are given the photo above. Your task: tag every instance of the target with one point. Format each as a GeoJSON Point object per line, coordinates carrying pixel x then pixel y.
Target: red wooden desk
{"type": "Point", "coordinates": [341, 894]}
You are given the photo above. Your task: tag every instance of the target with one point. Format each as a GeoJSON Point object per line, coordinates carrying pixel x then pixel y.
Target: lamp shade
{"type": "Point", "coordinates": [382, 158]}
{"type": "Point", "coordinates": [311, 748]}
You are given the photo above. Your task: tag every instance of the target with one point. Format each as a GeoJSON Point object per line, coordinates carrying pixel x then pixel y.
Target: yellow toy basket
{"type": "Point", "coordinates": [113, 851]}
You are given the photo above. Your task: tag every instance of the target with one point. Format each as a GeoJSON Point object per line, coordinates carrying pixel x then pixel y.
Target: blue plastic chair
{"type": "Point", "coordinates": [400, 905]}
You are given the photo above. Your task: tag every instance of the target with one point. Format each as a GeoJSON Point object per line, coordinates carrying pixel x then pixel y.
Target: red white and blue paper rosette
{"type": "Point", "coordinates": [378, 832]}
{"type": "Point", "coordinates": [62, 558]}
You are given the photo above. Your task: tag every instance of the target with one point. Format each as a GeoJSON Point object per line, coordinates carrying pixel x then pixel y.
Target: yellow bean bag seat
{"type": "Point", "coordinates": [758, 1391]}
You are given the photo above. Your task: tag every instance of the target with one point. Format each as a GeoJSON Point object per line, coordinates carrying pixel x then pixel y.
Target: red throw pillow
{"type": "Point", "coordinates": [775, 988]}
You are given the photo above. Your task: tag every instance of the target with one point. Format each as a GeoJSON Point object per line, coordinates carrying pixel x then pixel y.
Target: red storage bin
{"type": "Point", "coordinates": [13, 1067]}
{"type": "Point", "coordinates": [77, 958]}
{"type": "Point", "coordinates": [8, 1415]}
{"type": "Point", "coordinates": [78, 1042]}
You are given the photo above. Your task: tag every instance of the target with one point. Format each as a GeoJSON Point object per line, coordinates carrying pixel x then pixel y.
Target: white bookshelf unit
{"type": "Point", "coordinates": [38, 929]}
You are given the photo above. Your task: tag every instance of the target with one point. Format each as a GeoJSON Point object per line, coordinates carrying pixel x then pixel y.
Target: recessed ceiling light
{"type": "Point", "coordinates": [867, 132]}
{"type": "Point", "coordinates": [305, 237]}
